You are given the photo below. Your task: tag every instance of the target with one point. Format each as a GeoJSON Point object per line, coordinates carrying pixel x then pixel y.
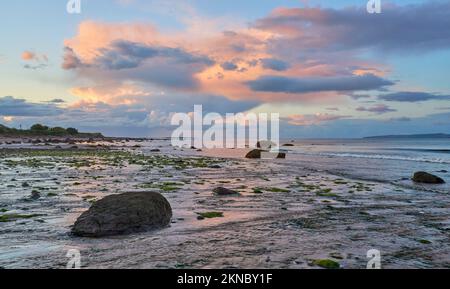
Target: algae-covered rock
{"type": "Point", "coordinates": [124, 214]}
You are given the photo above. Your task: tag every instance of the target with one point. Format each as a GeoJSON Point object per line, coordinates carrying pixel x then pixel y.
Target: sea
{"type": "Point", "coordinates": [382, 160]}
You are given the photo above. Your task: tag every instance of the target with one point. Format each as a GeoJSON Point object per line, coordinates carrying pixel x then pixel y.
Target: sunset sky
{"type": "Point", "coordinates": [123, 67]}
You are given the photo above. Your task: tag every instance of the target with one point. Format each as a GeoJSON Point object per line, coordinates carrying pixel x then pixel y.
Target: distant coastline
{"type": "Point", "coordinates": [411, 136]}
{"type": "Point", "coordinates": [39, 130]}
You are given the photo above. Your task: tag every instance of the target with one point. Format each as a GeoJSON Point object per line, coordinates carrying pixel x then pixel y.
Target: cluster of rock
{"type": "Point", "coordinates": [263, 151]}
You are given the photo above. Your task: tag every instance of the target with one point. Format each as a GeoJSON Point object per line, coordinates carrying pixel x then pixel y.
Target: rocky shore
{"type": "Point", "coordinates": [261, 214]}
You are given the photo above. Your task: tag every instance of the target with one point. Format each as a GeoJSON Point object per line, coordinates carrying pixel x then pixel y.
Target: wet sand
{"type": "Point", "coordinates": [286, 217]}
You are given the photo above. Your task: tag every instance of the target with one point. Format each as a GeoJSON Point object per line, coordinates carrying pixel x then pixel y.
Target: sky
{"type": "Point", "coordinates": [329, 68]}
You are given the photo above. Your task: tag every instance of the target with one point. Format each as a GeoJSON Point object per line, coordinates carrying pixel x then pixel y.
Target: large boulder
{"type": "Point", "coordinates": [124, 214]}
{"type": "Point", "coordinates": [426, 178]}
{"type": "Point", "coordinates": [257, 154]}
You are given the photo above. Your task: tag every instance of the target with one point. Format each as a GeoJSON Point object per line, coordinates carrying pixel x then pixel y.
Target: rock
{"type": "Point", "coordinates": [220, 191]}
{"type": "Point", "coordinates": [264, 144]}
{"type": "Point", "coordinates": [256, 154]}
{"type": "Point", "coordinates": [443, 171]}
{"type": "Point", "coordinates": [155, 150]}
{"type": "Point", "coordinates": [35, 195]}
{"type": "Point", "coordinates": [288, 145]}
{"type": "Point", "coordinates": [426, 178]}
{"type": "Point", "coordinates": [281, 156]}
{"type": "Point", "coordinates": [215, 167]}
{"type": "Point", "coordinates": [124, 214]}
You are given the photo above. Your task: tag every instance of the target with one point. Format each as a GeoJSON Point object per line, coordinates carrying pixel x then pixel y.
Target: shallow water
{"type": "Point", "coordinates": [306, 211]}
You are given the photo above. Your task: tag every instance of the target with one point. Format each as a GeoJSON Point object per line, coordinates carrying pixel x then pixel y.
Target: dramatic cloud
{"type": "Point", "coordinates": [326, 57]}
{"type": "Point", "coordinates": [406, 28]}
{"type": "Point", "coordinates": [378, 109]}
{"type": "Point", "coordinates": [125, 55]}
{"type": "Point", "coordinates": [406, 96]}
{"type": "Point", "coordinates": [10, 106]}
{"type": "Point", "coordinates": [317, 84]}
{"type": "Point", "coordinates": [126, 60]}
{"type": "Point", "coordinates": [142, 115]}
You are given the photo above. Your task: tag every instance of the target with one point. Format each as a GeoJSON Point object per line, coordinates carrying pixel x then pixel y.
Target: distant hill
{"type": "Point", "coordinates": [42, 130]}
{"type": "Point", "coordinates": [410, 136]}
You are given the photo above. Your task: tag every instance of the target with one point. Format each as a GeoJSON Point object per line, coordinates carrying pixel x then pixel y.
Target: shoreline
{"type": "Point", "coordinates": [286, 216]}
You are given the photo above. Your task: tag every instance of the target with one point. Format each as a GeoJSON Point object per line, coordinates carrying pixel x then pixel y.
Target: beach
{"type": "Point", "coordinates": [326, 201]}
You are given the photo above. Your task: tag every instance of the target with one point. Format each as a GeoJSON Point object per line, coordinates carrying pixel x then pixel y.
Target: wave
{"type": "Point", "coordinates": [421, 150]}
{"type": "Point", "coordinates": [381, 157]}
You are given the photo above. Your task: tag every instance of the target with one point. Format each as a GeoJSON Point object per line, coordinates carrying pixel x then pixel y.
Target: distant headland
{"type": "Point", "coordinates": [411, 136]}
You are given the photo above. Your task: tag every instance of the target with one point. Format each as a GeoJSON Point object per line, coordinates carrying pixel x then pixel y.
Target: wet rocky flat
{"type": "Point", "coordinates": [283, 216]}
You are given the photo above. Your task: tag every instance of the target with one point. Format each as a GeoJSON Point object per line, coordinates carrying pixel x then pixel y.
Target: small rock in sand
{"type": "Point", "coordinates": [264, 144]}
{"type": "Point", "coordinates": [426, 178]}
{"type": "Point", "coordinates": [124, 214]}
{"type": "Point", "coordinates": [220, 191]}
{"type": "Point", "coordinates": [35, 195]}
{"type": "Point", "coordinates": [256, 154]}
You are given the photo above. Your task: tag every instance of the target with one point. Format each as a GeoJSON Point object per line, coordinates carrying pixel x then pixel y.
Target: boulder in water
{"type": "Point", "coordinates": [426, 178]}
{"type": "Point", "coordinates": [124, 214]}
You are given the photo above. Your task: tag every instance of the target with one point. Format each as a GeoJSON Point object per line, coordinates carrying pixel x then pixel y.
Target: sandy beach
{"type": "Point", "coordinates": [287, 216]}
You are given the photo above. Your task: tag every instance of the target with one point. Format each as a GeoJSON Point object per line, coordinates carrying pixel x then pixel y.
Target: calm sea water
{"type": "Point", "coordinates": [385, 160]}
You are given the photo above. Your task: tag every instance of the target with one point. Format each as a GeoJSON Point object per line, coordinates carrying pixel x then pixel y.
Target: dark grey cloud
{"type": "Point", "coordinates": [229, 66]}
{"type": "Point", "coordinates": [125, 54]}
{"type": "Point", "coordinates": [405, 28]}
{"type": "Point", "coordinates": [125, 60]}
{"type": "Point", "coordinates": [10, 106]}
{"type": "Point", "coordinates": [275, 64]}
{"type": "Point", "coordinates": [144, 115]}
{"type": "Point", "coordinates": [35, 66]}
{"type": "Point", "coordinates": [71, 60]}
{"type": "Point", "coordinates": [378, 109]}
{"type": "Point", "coordinates": [401, 119]}
{"type": "Point", "coordinates": [56, 100]}
{"type": "Point", "coordinates": [406, 96]}
{"type": "Point", "coordinates": [359, 96]}
{"type": "Point", "coordinates": [317, 84]}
